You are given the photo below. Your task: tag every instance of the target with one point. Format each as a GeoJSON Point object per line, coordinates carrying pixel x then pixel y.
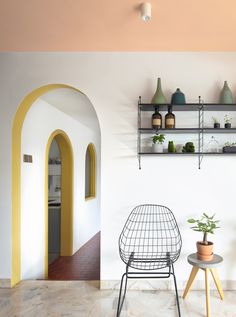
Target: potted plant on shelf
{"type": "Point", "coordinates": [157, 143]}
{"type": "Point", "coordinates": [206, 224]}
{"type": "Point", "coordinates": [227, 120]}
{"type": "Point", "coordinates": [229, 147]}
{"type": "Point", "coordinates": [216, 123]}
{"type": "Point", "coordinates": [188, 148]}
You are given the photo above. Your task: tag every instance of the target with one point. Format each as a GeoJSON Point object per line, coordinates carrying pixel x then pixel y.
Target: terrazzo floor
{"type": "Point", "coordinates": [84, 299]}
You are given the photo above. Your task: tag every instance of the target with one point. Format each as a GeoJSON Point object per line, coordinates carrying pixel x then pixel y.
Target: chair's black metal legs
{"type": "Point", "coordinates": [176, 291]}
{"type": "Point", "coordinates": [121, 300]}
{"type": "Point", "coordinates": [121, 297]}
{"type": "Point", "coordinates": [127, 275]}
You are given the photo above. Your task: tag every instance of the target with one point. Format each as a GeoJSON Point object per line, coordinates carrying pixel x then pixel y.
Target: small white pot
{"type": "Point", "coordinates": [157, 148]}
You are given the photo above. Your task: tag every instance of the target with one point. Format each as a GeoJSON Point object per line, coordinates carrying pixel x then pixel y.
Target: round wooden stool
{"type": "Point", "coordinates": [205, 266]}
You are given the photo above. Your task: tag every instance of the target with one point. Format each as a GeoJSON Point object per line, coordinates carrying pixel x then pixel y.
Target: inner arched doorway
{"type": "Point", "coordinates": [66, 198]}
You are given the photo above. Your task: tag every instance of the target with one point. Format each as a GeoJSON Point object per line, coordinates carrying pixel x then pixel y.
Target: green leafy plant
{"type": "Point", "coordinates": [227, 119]}
{"type": "Point", "coordinates": [188, 148]}
{"type": "Point", "coordinates": [230, 144]}
{"type": "Point", "coordinates": [205, 224]}
{"type": "Point", "coordinates": [215, 120]}
{"type": "Point", "coordinates": [158, 138]}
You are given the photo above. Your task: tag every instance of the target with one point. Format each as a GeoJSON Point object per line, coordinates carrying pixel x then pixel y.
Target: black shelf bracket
{"type": "Point", "coordinates": [200, 131]}
{"type": "Point", "coordinates": [139, 133]}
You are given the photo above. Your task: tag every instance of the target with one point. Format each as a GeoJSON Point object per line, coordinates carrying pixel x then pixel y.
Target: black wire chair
{"type": "Point", "coordinates": [149, 241]}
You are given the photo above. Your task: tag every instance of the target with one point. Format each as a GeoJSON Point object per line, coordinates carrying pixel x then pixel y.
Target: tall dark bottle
{"type": "Point", "coordinates": [156, 119]}
{"type": "Point", "coordinates": [169, 119]}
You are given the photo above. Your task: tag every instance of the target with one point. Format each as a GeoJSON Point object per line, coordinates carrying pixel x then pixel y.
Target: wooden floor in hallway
{"type": "Point", "coordinates": [83, 265]}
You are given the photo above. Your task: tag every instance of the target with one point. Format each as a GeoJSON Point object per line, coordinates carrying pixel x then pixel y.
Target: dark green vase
{"type": "Point", "coordinates": [159, 97]}
{"type": "Point", "coordinates": [178, 98]}
{"type": "Point", "coordinates": [171, 147]}
{"type": "Point", "coordinates": [226, 96]}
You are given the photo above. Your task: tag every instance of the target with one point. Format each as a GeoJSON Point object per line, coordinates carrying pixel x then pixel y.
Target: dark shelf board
{"type": "Point", "coordinates": [221, 130]}
{"type": "Point", "coordinates": [188, 107]}
{"type": "Point", "coordinates": [186, 130]}
{"type": "Point", "coordinates": [186, 154]}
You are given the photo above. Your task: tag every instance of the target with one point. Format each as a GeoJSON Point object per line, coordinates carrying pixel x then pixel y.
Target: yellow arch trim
{"type": "Point", "coordinates": [93, 171]}
{"type": "Point", "coordinates": [16, 172]}
{"type": "Point", "coordinates": [67, 163]}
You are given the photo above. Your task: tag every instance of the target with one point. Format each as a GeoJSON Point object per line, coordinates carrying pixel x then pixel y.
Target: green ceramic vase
{"type": "Point", "coordinates": [226, 96]}
{"type": "Point", "coordinates": [178, 98]}
{"type": "Point", "coordinates": [159, 97]}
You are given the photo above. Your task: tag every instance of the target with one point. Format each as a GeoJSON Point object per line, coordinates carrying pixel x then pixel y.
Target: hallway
{"type": "Point", "coordinates": [83, 265]}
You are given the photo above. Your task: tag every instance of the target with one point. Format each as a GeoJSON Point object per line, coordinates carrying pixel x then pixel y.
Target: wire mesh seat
{"type": "Point", "coordinates": [149, 241]}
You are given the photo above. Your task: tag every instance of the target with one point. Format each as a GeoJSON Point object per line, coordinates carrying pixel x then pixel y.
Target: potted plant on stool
{"type": "Point", "coordinates": [206, 224]}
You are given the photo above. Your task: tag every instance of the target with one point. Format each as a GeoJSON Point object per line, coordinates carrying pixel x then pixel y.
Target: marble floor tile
{"type": "Point", "coordinates": [84, 299]}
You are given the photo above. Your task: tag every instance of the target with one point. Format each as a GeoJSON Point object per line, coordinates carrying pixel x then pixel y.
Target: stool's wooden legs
{"type": "Point", "coordinates": [217, 282]}
{"type": "Point", "coordinates": [207, 292]}
{"type": "Point", "coordinates": [190, 280]}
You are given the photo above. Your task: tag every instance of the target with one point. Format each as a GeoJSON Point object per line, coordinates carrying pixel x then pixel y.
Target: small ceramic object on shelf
{"type": "Point", "coordinates": [229, 147]}
{"type": "Point", "coordinates": [226, 96]}
{"type": "Point", "coordinates": [178, 98]}
{"type": "Point", "coordinates": [157, 148]}
{"type": "Point", "coordinates": [159, 97]}
{"type": "Point", "coordinates": [171, 147]}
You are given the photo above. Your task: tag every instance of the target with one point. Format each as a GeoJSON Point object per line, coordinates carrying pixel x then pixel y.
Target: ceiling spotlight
{"type": "Point", "coordinates": [146, 11]}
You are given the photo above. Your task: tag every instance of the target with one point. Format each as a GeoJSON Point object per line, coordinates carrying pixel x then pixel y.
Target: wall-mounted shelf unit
{"type": "Point", "coordinates": [200, 130]}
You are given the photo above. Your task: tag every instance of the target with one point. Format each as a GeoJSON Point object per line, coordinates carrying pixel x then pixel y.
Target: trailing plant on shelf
{"type": "Point", "coordinates": [227, 121]}
{"type": "Point", "coordinates": [216, 123]}
{"type": "Point", "coordinates": [205, 224]}
{"type": "Point", "coordinates": [157, 143]}
{"type": "Point", "coordinates": [229, 147]}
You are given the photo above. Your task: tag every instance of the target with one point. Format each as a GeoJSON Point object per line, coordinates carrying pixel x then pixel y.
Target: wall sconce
{"type": "Point", "coordinates": [146, 11]}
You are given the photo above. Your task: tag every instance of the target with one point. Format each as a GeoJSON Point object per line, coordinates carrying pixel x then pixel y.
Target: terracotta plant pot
{"type": "Point", "coordinates": [204, 251]}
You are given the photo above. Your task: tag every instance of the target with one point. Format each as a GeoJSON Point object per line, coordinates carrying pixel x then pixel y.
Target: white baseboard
{"type": "Point", "coordinates": [5, 283]}
{"type": "Point", "coordinates": [152, 284]}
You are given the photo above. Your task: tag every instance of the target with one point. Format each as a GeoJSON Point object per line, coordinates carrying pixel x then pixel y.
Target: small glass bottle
{"type": "Point", "coordinates": [156, 119]}
{"type": "Point", "coordinates": [213, 145]}
{"type": "Point", "coordinates": [169, 119]}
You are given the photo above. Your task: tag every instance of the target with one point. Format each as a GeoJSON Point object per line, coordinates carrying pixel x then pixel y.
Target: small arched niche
{"type": "Point", "coordinates": [90, 172]}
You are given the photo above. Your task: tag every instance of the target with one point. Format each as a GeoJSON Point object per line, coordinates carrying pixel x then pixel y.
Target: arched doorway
{"type": "Point", "coordinates": [66, 198]}
{"type": "Point", "coordinates": [23, 110]}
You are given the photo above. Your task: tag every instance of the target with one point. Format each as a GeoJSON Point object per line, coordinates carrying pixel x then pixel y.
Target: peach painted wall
{"type": "Point", "coordinates": [86, 25]}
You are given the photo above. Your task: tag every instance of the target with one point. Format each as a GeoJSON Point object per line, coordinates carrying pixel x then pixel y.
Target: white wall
{"type": "Point", "coordinates": [41, 120]}
{"type": "Point", "coordinates": [113, 82]}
